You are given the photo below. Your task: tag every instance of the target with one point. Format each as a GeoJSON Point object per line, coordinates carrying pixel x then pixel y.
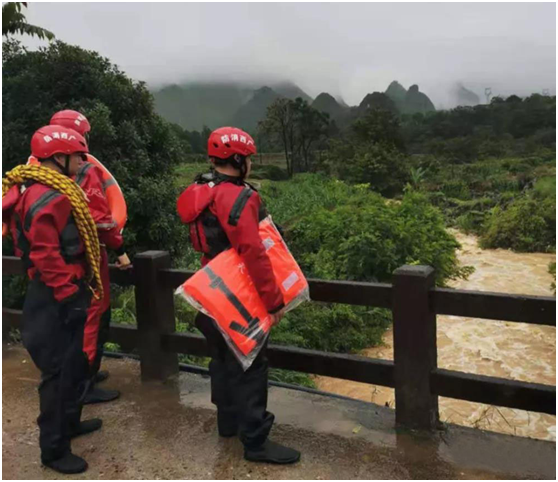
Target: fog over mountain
{"type": "Point", "coordinates": [346, 50]}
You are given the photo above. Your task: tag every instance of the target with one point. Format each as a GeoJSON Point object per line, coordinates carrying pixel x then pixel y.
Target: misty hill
{"type": "Point", "coordinates": [465, 96]}
{"type": "Point", "coordinates": [397, 93]}
{"type": "Point", "coordinates": [377, 100]}
{"type": "Point", "coordinates": [417, 102]}
{"type": "Point", "coordinates": [193, 105]}
{"type": "Point", "coordinates": [327, 103]}
{"type": "Point", "coordinates": [290, 91]}
{"type": "Point", "coordinates": [341, 101]}
{"type": "Point", "coordinates": [409, 101]}
{"type": "Point", "coordinates": [249, 114]}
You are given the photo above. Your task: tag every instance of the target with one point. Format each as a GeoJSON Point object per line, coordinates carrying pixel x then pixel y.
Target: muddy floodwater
{"type": "Point", "coordinates": [503, 349]}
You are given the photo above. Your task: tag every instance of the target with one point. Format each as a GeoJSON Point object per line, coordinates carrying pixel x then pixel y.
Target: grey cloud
{"type": "Point", "coordinates": [345, 49]}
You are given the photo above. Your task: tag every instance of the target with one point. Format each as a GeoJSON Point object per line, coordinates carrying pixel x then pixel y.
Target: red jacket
{"type": "Point", "coordinates": [90, 178]}
{"type": "Point", "coordinates": [237, 208]}
{"type": "Point", "coordinates": [46, 237]}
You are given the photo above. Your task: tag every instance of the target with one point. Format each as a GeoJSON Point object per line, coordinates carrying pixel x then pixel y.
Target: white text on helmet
{"type": "Point", "coordinates": [58, 135]}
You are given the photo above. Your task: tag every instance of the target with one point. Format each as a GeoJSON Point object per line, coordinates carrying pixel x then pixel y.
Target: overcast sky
{"type": "Point", "coordinates": [344, 49]}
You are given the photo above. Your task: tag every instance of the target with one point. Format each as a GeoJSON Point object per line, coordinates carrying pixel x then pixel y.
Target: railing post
{"type": "Point", "coordinates": [155, 316]}
{"type": "Point", "coordinates": [415, 352]}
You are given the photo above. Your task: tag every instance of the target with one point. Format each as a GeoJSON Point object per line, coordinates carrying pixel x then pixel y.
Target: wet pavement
{"type": "Point", "coordinates": [158, 431]}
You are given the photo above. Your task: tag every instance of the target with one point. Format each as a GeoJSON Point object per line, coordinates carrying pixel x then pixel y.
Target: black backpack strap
{"type": "Point", "coordinates": [239, 205]}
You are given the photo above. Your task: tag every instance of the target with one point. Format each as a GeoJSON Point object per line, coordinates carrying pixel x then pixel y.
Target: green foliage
{"type": "Point", "coordinates": [13, 286]}
{"type": "Point", "coordinates": [185, 173]}
{"type": "Point", "coordinates": [552, 271]}
{"type": "Point", "coordinates": [417, 176]}
{"type": "Point", "coordinates": [138, 146]}
{"type": "Point", "coordinates": [368, 238]}
{"type": "Point", "coordinates": [13, 291]}
{"type": "Point", "coordinates": [545, 187]}
{"type": "Point", "coordinates": [287, 201]}
{"type": "Point", "coordinates": [14, 22]}
{"type": "Point", "coordinates": [520, 127]}
{"type": "Point", "coordinates": [526, 224]}
{"type": "Point", "coordinates": [332, 327]}
{"type": "Point", "coordinates": [298, 127]}
{"type": "Point", "coordinates": [378, 126]}
{"type": "Point", "coordinates": [292, 377]}
{"type": "Point", "coordinates": [370, 153]}
{"type": "Point", "coordinates": [472, 197]}
{"type": "Point", "coordinates": [382, 167]}
{"type": "Point", "coordinates": [270, 171]}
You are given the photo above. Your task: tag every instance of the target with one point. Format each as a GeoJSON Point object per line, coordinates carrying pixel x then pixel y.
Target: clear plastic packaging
{"type": "Point", "coordinates": [224, 291]}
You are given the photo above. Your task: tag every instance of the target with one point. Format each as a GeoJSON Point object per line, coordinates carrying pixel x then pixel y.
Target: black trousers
{"type": "Point", "coordinates": [240, 396]}
{"type": "Point", "coordinates": [57, 350]}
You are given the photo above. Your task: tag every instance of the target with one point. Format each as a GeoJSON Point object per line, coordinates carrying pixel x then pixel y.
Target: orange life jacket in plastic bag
{"type": "Point", "coordinates": [224, 291]}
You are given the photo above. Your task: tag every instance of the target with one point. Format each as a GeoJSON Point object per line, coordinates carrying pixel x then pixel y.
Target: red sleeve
{"type": "Point", "coordinates": [45, 255]}
{"type": "Point", "coordinates": [91, 182]}
{"type": "Point", "coordinates": [243, 232]}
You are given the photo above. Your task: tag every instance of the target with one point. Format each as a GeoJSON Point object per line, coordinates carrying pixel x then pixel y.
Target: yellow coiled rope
{"type": "Point", "coordinates": [80, 209]}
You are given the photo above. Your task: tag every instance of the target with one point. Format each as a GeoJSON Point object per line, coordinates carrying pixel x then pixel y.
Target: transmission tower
{"type": "Point", "coordinates": [488, 94]}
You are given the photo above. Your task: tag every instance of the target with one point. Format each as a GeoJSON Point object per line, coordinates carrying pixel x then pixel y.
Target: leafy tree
{"type": "Point", "coordinates": [511, 126]}
{"type": "Point", "coordinates": [312, 126]}
{"type": "Point", "coordinates": [299, 127]}
{"type": "Point", "coordinates": [371, 153]}
{"type": "Point", "coordinates": [13, 22]}
{"type": "Point", "coordinates": [280, 121]}
{"type": "Point", "coordinates": [382, 167]}
{"type": "Point", "coordinates": [378, 126]}
{"type": "Point", "coordinates": [139, 147]}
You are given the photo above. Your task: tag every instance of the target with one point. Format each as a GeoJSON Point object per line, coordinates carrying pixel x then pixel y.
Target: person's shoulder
{"type": "Point", "coordinates": [38, 192]}
{"type": "Point", "coordinates": [230, 192]}
{"type": "Point", "coordinates": [89, 171]}
{"type": "Point", "coordinates": [39, 199]}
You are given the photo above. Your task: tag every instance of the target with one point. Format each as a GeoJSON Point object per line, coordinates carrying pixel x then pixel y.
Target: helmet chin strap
{"type": "Point", "coordinates": [240, 165]}
{"type": "Point", "coordinates": [65, 168]}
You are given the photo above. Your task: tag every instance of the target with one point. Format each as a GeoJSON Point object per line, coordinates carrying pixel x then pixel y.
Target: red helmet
{"type": "Point", "coordinates": [71, 119]}
{"type": "Point", "coordinates": [50, 140]}
{"type": "Point", "coordinates": [227, 141]}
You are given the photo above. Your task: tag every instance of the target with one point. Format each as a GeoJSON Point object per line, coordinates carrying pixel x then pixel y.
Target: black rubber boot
{"type": "Point", "coordinates": [87, 426]}
{"type": "Point", "coordinates": [272, 453]}
{"type": "Point", "coordinates": [67, 464]}
{"type": "Point", "coordinates": [101, 376]}
{"type": "Point", "coordinates": [98, 395]}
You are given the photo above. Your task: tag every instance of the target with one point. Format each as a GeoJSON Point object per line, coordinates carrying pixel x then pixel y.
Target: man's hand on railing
{"type": "Point", "coordinates": [124, 262]}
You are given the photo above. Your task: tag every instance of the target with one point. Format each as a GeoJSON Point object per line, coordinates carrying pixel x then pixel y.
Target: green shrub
{"type": "Point", "coordinates": [526, 225]}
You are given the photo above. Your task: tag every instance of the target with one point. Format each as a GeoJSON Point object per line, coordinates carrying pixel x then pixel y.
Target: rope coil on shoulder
{"type": "Point", "coordinates": [80, 209]}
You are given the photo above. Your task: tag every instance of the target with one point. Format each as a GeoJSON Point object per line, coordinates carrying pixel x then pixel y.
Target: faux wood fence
{"type": "Point", "coordinates": [414, 301]}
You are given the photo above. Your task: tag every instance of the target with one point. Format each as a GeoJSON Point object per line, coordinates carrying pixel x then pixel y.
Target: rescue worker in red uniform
{"type": "Point", "coordinates": [55, 307]}
{"type": "Point", "coordinates": [97, 327]}
{"type": "Point", "coordinates": [224, 211]}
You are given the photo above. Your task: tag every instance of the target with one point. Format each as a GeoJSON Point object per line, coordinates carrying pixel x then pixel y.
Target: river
{"type": "Point", "coordinates": [503, 349]}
